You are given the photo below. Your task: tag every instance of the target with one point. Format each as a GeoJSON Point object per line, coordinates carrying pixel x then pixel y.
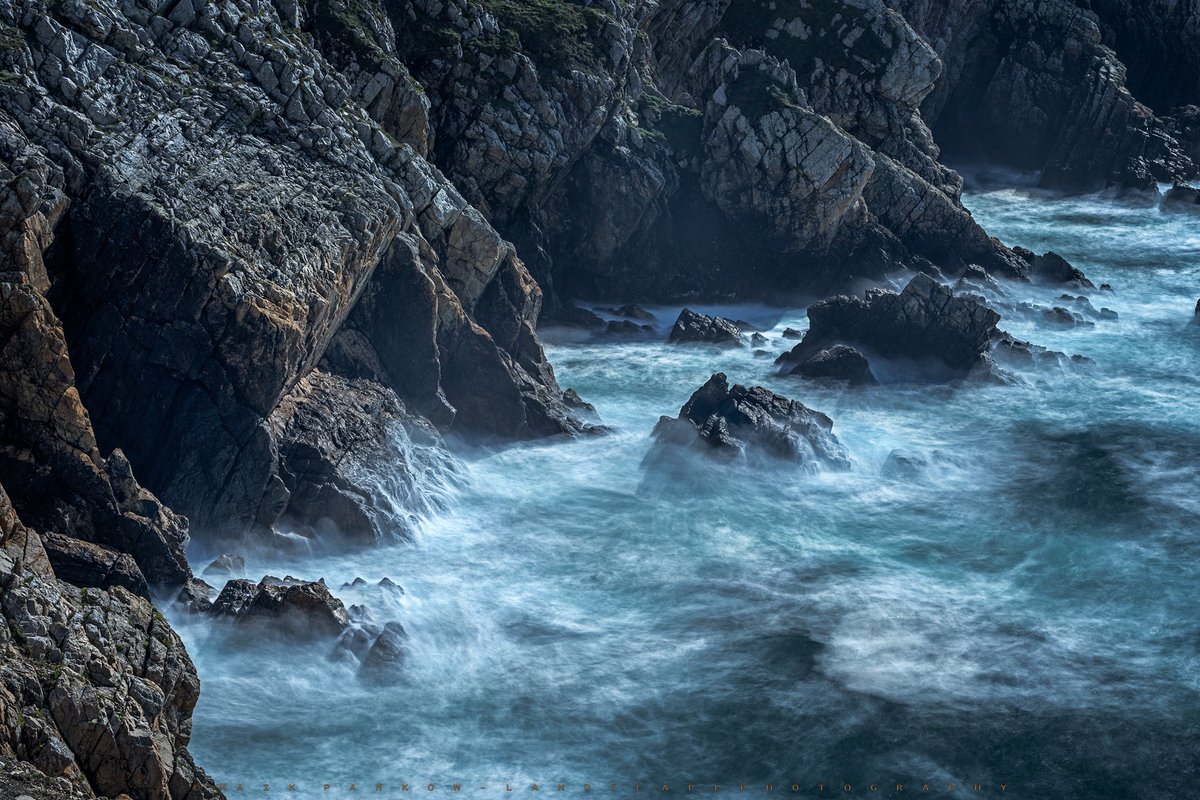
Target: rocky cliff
{"type": "Point", "coordinates": [1036, 85]}
{"type": "Point", "coordinates": [256, 253]}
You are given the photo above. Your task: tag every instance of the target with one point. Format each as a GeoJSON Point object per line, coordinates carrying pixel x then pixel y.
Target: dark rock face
{"type": "Point", "coordinates": [1159, 43]}
{"type": "Point", "coordinates": [91, 679]}
{"type": "Point", "coordinates": [699, 328]}
{"type": "Point", "coordinates": [1032, 85]}
{"type": "Point", "coordinates": [838, 362]}
{"type": "Point", "coordinates": [338, 439]}
{"type": "Point", "coordinates": [926, 320]}
{"type": "Point", "coordinates": [89, 565]}
{"type": "Point", "coordinates": [1051, 269]}
{"type": "Point", "coordinates": [384, 661]}
{"type": "Point", "coordinates": [187, 336]}
{"type": "Point", "coordinates": [226, 564]}
{"type": "Point", "coordinates": [1182, 198]}
{"type": "Point", "coordinates": [305, 609]}
{"type": "Point", "coordinates": [50, 461]}
{"type": "Point", "coordinates": [732, 421]}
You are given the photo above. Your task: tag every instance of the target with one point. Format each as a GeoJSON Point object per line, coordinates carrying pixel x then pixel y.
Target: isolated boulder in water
{"type": "Point", "coordinates": [386, 657]}
{"type": "Point", "coordinates": [305, 608]}
{"type": "Point", "coordinates": [839, 362]}
{"type": "Point", "coordinates": [925, 321]}
{"type": "Point", "coordinates": [1196, 316]}
{"type": "Point", "coordinates": [730, 420]}
{"type": "Point", "coordinates": [694, 327]}
{"type": "Point", "coordinates": [1051, 269]}
{"type": "Point", "coordinates": [1181, 197]}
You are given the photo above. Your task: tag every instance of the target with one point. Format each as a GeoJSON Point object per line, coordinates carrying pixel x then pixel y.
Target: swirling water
{"type": "Point", "coordinates": [1022, 613]}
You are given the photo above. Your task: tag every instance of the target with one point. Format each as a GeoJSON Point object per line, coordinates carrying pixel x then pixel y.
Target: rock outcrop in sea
{"type": "Point", "coordinates": [924, 322]}
{"type": "Point", "coordinates": [249, 251]}
{"type": "Point", "coordinates": [729, 422]}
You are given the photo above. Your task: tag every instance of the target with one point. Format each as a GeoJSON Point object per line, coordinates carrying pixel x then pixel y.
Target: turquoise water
{"type": "Point", "coordinates": [1024, 612]}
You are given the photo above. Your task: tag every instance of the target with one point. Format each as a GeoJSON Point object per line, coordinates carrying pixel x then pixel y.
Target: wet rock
{"type": "Point", "coordinates": [577, 317]}
{"type": "Point", "coordinates": [1051, 269]}
{"type": "Point", "coordinates": [792, 333]}
{"type": "Point", "coordinates": [226, 564]}
{"type": "Point", "coordinates": [758, 340]}
{"type": "Point", "coordinates": [572, 400]}
{"type": "Point", "coordinates": [1011, 351]}
{"type": "Point", "coordinates": [904, 465]}
{"type": "Point", "coordinates": [196, 596]}
{"type": "Point", "coordinates": [925, 321]}
{"type": "Point", "coordinates": [634, 312]}
{"type": "Point", "coordinates": [384, 662]}
{"type": "Point", "coordinates": [1109, 314]}
{"type": "Point", "coordinates": [1060, 317]}
{"type": "Point", "coordinates": [730, 421]}
{"type": "Point", "coordinates": [1182, 198]}
{"type": "Point", "coordinates": [390, 585]}
{"type": "Point", "coordinates": [693, 327]}
{"type": "Point", "coordinates": [838, 362]}
{"type": "Point", "coordinates": [624, 327]}
{"type": "Point", "coordinates": [305, 609]}
{"type": "Point", "coordinates": [341, 442]}
{"type": "Point", "coordinates": [1196, 316]}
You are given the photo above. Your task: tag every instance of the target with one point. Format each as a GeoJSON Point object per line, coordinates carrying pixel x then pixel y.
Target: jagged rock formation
{"type": "Point", "coordinates": [219, 204]}
{"type": "Point", "coordinates": [694, 327]}
{"type": "Point", "coordinates": [925, 321]}
{"type": "Point", "coordinates": [838, 362]}
{"type": "Point", "coordinates": [95, 687]}
{"type": "Point", "coordinates": [1032, 84]}
{"type": "Point", "coordinates": [736, 421]}
{"type": "Point", "coordinates": [287, 239]}
{"type": "Point", "coordinates": [92, 679]}
{"type": "Point", "coordinates": [301, 608]}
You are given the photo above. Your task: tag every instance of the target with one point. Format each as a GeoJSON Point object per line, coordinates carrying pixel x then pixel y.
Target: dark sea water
{"type": "Point", "coordinates": [1025, 611]}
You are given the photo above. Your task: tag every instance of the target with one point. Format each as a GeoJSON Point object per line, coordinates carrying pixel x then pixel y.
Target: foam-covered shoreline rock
{"type": "Point", "coordinates": [732, 421]}
{"type": "Point", "coordinates": [924, 321]}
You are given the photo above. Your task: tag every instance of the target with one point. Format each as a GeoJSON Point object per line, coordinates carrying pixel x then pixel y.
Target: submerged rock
{"type": "Point", "coordinates": [733, 420]}
{"type": "Point", "coordinates": [1062, 318]}
{"type": "Point", "coordinates": [1182, 198]}
{"type": "Point", "coordinates": [839, 362]}
{"type": "Point", "coordinates": [632, 311]}
{"type": "Point", "coordinates": [925, 321]}
{"type": "Point", "coordinates": [694, 327]}
{"type": "Point", "coordinates": [227, 564]}
{"type": "Point", "coordinates": [386, 657]}
{"type": "Point", "coordinates": [904, 465]}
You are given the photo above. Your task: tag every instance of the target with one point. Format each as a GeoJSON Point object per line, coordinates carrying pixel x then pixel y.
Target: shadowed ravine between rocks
{"type": "Point", "coordinates": [1028, 587]}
